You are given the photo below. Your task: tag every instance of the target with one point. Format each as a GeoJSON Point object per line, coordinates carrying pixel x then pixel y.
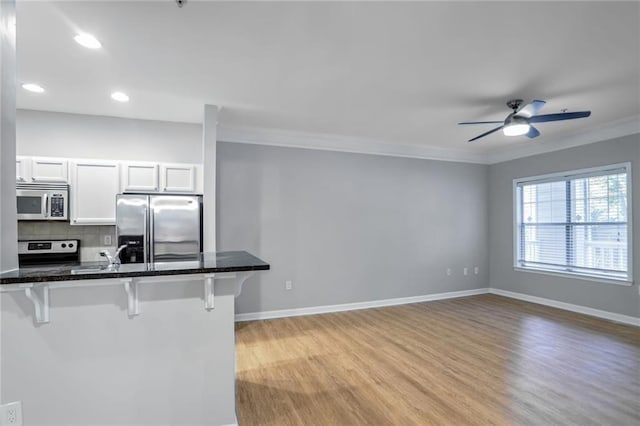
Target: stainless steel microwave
{"type": "Point", "coordinates": [42, 201]}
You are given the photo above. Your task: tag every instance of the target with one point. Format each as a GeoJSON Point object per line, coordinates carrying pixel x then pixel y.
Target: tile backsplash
{"type": "Point", "coordinates": [91, 237]}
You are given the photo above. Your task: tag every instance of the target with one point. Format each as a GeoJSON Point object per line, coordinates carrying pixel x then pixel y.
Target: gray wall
{"type": "Point", "coordinates": [350, 227]}
{"type": "Point", "coordinates": [608, 297]}
{"type": "Point", "coordinates": [55, 134]}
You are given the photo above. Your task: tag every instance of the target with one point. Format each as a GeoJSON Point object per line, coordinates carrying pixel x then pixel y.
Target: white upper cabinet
{"type": "Point", "coordinates": [23, 169]}
{"type": "Point", "coordinates": [41, 170]}
{"type": "Point", "coordinates": [163, 177]}
{"type": "Point", "coordinates": [94, 186]}
{"type": "Point", "coordinates": [178, 178]}
{"type": "Point", "coordinates": [140, 177]}
{"type": "Point", "coordinates": [44, 169]}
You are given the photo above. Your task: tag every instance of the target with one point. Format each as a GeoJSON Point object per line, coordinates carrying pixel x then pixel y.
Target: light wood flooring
{"type": "Point", "coordinates": [476, 360]}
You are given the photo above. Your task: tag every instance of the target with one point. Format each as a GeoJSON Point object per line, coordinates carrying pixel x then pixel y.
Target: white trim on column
{"type": "Point", "coordinates": [625, 319]}
{"type": "Point", "coordinates": [209, 148]}
{"type": "Point", "coordinates": [356, 306]}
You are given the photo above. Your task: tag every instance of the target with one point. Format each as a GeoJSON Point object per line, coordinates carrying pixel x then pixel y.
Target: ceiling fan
{"type": "Point", "coordinates": [519, 121]}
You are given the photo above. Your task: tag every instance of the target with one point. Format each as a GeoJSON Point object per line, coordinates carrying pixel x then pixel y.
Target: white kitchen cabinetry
{"type": "Point", "coordinates": [41, 170]}
{"type": "Point", "coordinates": [93, 189]}
{"type": "Point", "coordinates": [23, 169]}
{"type": "Point", "coordinates": [44, 169]}
{"type": "Point", "coordinates": [178, 178]}
{"type": "Point", "coordinates": [142, 177]}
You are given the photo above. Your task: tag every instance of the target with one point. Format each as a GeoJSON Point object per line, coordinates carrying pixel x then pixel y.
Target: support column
{"type": "Point", "coordinates": [8, 219]}
{"type": "Point", "coordinates": [209, 141]}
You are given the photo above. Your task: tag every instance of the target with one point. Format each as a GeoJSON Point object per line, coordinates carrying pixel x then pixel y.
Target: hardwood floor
{"type": "Point", "coordinates": [477, 360]}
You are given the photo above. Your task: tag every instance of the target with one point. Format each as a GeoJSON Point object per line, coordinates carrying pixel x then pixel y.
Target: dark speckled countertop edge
{"type": "Point", "coordinates": [236, 262]}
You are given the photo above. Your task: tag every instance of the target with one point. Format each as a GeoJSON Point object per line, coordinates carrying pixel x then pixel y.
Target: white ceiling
{"type": "Point", "coordinates": [403, 73]}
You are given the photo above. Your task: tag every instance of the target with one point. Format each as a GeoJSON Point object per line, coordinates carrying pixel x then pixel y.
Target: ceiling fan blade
{"type": "Point", "coordinates": [531, 109]}
{"type": "Point", "coordinates": [559, 116]}
{"type": "Point", "coordinates": [532, 133]}
{"type": "Point", "coordinates": [481, 122]}
{"type": "Point", "coordinates": [485, 134]}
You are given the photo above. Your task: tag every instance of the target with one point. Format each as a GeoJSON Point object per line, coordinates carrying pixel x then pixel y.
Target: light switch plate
{"type": "Point", "coordinates": [106, 240]}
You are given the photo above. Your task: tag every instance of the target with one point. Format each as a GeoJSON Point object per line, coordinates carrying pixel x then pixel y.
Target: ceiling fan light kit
{"type": "Point", "coordinates": [519, 121]}
{"type": "Point", "coordinates": [515, 126]}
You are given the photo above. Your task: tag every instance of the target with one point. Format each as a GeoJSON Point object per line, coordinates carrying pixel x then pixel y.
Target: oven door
{"type": "Point", "coordinates": [32, 204]}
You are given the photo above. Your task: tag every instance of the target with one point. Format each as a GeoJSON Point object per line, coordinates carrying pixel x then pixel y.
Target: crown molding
{"type": "Point", "coordinates": [616, 129]}
{"type": "Point", "coordinates": [329, 142]}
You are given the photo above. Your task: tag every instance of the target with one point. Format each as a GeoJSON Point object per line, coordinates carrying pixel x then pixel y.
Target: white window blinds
{"type": "Point", "coordinates": [576, 223]}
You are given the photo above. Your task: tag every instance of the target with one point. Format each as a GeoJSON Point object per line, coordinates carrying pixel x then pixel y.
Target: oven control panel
{"type": "Point", "coordinates": [47, 246]}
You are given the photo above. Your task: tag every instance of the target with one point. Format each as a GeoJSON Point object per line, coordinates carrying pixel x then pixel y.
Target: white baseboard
{"type": "Point", "coordinates": [625, 319]}
{"type": "Point", "coordinates": [283, 313]}
{"type": "Point", "coordinates": [233, 424]}
{"type": "Point", "coordinates": [251, 316]}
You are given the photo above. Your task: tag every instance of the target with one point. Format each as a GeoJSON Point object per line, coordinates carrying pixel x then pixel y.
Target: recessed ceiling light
{"type": "Point", "coordinates": [32, 87]}
{"type": "Point", "coordinates": [88, 41]}
{"type": "Point", "coordinates": [120, 97]}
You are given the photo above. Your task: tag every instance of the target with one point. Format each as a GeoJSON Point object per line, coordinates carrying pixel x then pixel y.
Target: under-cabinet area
{"type": "Point", "coordinates": [93, 239]}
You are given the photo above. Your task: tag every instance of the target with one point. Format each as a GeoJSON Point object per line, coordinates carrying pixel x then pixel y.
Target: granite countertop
{"type": "Point", "coordinates": [208, 263]}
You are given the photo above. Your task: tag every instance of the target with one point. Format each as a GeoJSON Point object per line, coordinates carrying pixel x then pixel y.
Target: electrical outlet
{"type": "Point", "coordinates": [11, 414]}
{"type": "Point", "coordinates": [106, 240]}
{"type": "Point", "coordinates": [476, 270]}
{"type": "Point", "coordinates": [448, 271]}
{"type": "Point", "coordinates": [465, 271]}
{"type": "Point", "coordinates": [288, 285]}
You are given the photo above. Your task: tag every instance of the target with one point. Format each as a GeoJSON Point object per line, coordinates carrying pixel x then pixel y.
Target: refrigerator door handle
{"type": "Point", "coordinates": [145, 229]}
{"type": "Point", "coordinates": [151, 236]}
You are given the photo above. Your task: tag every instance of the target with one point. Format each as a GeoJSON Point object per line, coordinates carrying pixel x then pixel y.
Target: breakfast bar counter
{"type": "Point", "coordinates": [160, 332]}
{"type": "Point", "coordinates": [207, 263]}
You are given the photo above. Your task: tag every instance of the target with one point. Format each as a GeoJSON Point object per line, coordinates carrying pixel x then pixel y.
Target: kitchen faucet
{"type": "Point", "coordinates": [115, 259]}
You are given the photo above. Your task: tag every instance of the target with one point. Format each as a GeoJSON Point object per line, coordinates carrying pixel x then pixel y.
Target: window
{"type": "Point", "coordinates": [576, 223]}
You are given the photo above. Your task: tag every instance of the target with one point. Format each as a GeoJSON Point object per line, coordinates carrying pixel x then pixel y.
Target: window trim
{"type": "Point", "coordinates": [628, 281]}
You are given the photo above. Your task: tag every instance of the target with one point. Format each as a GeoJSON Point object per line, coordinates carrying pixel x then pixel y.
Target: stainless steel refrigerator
{"type": "Point", "coordinates": [158, 228]}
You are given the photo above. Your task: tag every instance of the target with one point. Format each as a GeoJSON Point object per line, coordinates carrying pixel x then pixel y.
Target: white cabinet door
{"type": "Point", "coordinates": [139, 177]}
{"type": "Point", "coordinates": [45, 169]}
{"type": "Point", "coordinates": [178, 178]}
{"type": "Point", "coordinates": [22, 169]}
{"type": "Point", "coordinates": [94, 185]}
